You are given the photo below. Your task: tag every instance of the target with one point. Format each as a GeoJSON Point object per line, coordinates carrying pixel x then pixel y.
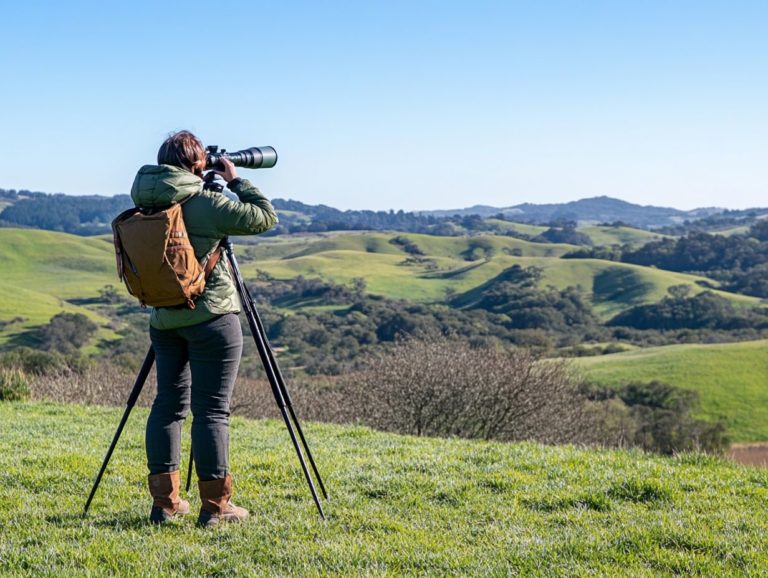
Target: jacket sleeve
{"type": "Point", "coordinates": [254, 214]}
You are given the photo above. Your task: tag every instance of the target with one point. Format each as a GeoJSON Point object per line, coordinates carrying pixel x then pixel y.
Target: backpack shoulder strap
{"type": "Point", "coordinates": [212, 260]}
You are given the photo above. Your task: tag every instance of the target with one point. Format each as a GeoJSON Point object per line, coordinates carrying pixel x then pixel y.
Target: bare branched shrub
{"type": "Point", "coordinates": [429, 386]}
{"type": "Point", "coordinates": [316, 398]}
{"type": "Point", "coordinates": [101, 384]}
{"type": "Point", "coordinates": [440, 387]}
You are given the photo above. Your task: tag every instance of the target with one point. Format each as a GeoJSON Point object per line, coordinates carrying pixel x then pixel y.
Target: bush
{"type": "Point", "coordinates": [13, 385]}
{"type": "Point", "coordinates": [36, 362]}
{"type": "Point", "coordinates": [438, 387]}
{"type": "Point", "coordinates": [67, 332]}
{"type": "Point", "coordinates": [655, 417]}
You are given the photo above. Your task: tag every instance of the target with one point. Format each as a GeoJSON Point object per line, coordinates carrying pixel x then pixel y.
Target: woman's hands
{"type": "Point", "coordinates": [229, 173]}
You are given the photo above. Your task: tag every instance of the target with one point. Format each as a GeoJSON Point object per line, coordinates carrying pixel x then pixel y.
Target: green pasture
{"type": "Point", "coordinates": [612, 287]}
{"type": "Point", "coordinates": [46, 272]}
{"type": "Point", "coordinates": [602, 235]}
{"type": "Point", "coordinates": [400, 506]}
{"type": "Point", "coordinates": [732, 231]}
{"type": "Point", "coordinates": [731, 378]}
{"type": "Point", "coordinates": [373, 242]}
{"type": "Point", "coordinates": [524, 228]}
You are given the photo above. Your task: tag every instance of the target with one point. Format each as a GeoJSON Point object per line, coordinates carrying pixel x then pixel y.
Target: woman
{"type": "Point", "coordinates": [198, 350]}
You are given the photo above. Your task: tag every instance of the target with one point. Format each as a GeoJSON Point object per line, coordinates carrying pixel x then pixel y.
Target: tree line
{"type": "Point", "coordinates": [739, 262]}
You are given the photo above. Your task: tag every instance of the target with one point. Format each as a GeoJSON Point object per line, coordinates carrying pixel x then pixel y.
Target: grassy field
{"type": "Point", "coordinates": [524, 228]}
{"type": "Point", "coordinates": [732, 379]}
{"type": "Point", "coordinates": [399, 506]}
{"type": "Point", "coordinates": [45, 273]}
{"type": "Point", "coordinates": [342, 257]}
{"type": "Point", "coordinates": [732, 231]}
{"type": "Point", "coordinates": [601, 235]}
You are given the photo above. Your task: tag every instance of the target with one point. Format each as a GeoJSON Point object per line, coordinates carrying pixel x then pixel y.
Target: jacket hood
{"type": "Point", "coordinates": [162, 185]}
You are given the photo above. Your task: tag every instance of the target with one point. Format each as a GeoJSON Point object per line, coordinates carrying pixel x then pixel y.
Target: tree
{"type": "Point", "coordinates": [654, 416]}
{"type": "Point", "coordinates": [66, 332]}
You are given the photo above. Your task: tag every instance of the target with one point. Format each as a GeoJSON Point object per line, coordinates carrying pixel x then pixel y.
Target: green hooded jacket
{"type": "Point", "coordinates": [209, 217]}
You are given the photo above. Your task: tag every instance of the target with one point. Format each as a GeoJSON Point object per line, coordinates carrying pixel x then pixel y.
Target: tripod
{"type": "Point", "coordinates": [274, 375]}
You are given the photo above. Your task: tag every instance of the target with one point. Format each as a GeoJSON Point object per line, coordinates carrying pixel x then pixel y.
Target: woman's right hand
{"type": "Point", "coordinates": [229, 173]}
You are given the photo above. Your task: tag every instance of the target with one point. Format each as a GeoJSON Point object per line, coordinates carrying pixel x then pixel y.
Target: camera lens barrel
{"type": "Point", "coordinates": [251, 158]}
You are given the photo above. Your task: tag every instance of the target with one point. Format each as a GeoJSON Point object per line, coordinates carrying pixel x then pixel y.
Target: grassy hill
{"type": "Point", "coordinates": [732, 379]}
{"type": "Point", "coordinates": [602, 235]}
{"type": "Point", "coordinates": [399, 506]}
{"type": "Point", "coordinates": [46, 272]}
{"type": "Point", "coordinates": [612, 287]}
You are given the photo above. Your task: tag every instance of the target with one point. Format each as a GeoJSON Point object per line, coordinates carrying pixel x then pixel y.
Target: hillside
{"type": "Point", "coordinates": [399, 506]}
{"type": "Point", "coordinates": [619, 235]}
{"type": "Point", "coordinates": [444, 266]}
{"type": "Point", "coordinates": [46, 272]}
{"type": "Point", "coordinates": [731, 379]}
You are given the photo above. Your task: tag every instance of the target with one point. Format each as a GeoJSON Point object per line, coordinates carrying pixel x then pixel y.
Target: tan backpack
{"type": "Point", "coordinates": [155, 258]}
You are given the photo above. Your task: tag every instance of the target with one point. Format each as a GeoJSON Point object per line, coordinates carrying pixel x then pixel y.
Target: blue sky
{"type": "Point", "coordinates": [411, 105]}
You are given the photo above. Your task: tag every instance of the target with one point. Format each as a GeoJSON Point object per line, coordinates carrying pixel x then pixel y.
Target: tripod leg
{"type": "Point", "coordinates": [284, 389]}
{"type": "Point", "coordinates": [270, 370]}
{"type": "Point", "coordinates": [149, 360]}
{"type": "Point", "coordinates": [270, 366]}
{"type": "Point", "coordinates": [189, 471]}
{"type": "Point", "coordinates": [303, 463]}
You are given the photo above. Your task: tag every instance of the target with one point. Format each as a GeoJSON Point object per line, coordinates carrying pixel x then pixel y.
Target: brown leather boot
{"type": "Point", "coordinates": [216, 506]}
{"type": "Point", "coordinates": [166, 504]}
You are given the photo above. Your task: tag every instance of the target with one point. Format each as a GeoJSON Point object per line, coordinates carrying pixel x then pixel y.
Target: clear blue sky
{"type": "Point", "coordinates": [414, 105]}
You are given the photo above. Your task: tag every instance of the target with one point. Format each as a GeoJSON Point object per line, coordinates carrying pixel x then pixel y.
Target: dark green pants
{"type": "Point", "coordinates": [196, 369]}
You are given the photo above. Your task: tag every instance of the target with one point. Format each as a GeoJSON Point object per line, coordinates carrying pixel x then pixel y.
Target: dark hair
{"type": "Point", "coordinates": [181, 149]}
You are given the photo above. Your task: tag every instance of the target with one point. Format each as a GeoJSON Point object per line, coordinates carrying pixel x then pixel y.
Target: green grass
{"type": "Point", "coordinates": [46, 272]}
{"type": "Point", "coordinates": [601, 235]}
{"type": "Point", "coordinates": [341, 258]}
{"type": "Point", "coordinates": [42, 270]}
{"type": "Point", "coordinates": [524, 228]}
{"type": "Point", "coordinates": [740, 230]}
{"type": "Point", "coordinates": [732, 379]}
{"type": "Point", "coordinates": [400, 506]}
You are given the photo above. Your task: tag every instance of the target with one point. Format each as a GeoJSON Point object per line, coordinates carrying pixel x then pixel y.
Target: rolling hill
{"type": "Point", "coordinates": [731, 378]}
{"type": "Point", "coordinates": [444, 266]}
{"type": "Point", "coordinates": [46, 272]}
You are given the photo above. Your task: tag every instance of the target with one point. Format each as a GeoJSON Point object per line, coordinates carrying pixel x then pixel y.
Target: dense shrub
{"type": "Point", "coordinates": [66, 332]}
{"type": "Point", "coordinates": [37, 362]}
{"type": "Point", "coordinates": [565, 234]}
{"type": "Point", "coordinates": [655, 417]}
{"type": "Point", "coordinates": [14, 385]}
{"type": "Point", "coordinates": [706, 310]}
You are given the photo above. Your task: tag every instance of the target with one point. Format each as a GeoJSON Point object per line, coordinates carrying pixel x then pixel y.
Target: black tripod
{"type": "Point", "coordinates": [274, 375]}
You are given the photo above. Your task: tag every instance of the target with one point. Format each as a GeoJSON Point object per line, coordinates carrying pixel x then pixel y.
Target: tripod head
{"type": "Point", "coordinates": [210, 185]}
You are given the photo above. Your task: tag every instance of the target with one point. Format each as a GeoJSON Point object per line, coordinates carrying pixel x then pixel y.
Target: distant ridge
{"type": "Point", "coordinates": [592, 210]}
{"type": "Point", "coordinates": [90, 215]}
